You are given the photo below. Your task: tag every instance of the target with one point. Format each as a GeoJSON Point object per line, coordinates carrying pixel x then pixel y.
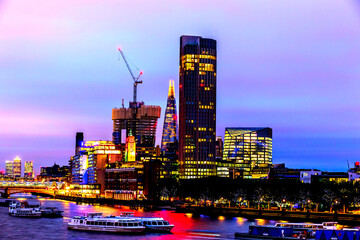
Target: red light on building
{"type": "Point", "coordinates": [357, 164]}
{"type": "Point", "coordinates": [201, 85]}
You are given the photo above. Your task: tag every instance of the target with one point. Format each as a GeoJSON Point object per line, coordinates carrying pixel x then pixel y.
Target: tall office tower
{"type": "Point", "coordinates": [142, 125]}
{"type": "Point", "coordinates": [17, 167]}
{"type": "Point", "coordinates": [29, 169]}
{"type": "Point", "coordinates": [9, 168]}
{"type": "Point", "coordinates": [197, 118]}
{"type": "Point", "coordinates": [169, 135]}
{"type": "Point", "coordinates": [248, 148]}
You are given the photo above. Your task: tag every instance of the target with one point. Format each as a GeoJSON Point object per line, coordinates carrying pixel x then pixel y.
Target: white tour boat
{"type": "Point", "coordinates": [18, 209]}
{"type": "Point", "coordinates": [152, 224]}
{"type": "Point", "coordinates": [96, 222]}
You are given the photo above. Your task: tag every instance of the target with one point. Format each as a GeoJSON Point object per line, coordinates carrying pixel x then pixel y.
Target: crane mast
{"type": "Point", "coordinates": [136, 79]}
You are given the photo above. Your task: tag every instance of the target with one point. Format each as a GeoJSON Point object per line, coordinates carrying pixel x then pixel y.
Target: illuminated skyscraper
{"type": "Point", "coordinates": [248, 150]}
{"type": "Point", "coordinates": [197, 117]}
{"type": "Point", "coordinates": [169, 135]}
{"type": "Point", "coordinates": [29, 169]}
{"type": "Point", "coordinates": [17, 167]}
{"type": "Point", "coordinates": [9, 168]}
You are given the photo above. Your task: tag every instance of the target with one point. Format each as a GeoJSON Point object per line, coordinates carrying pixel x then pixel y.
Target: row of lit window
{"type": "Point", "coordinates": [198, 170]}
{"type": "Point", "coordinates": [193, 56]}
{"type": "Point", "coordinates": [200, 162]}
{"type": "Point", "coordinates": [204, 139]}
{"type": "Point", "coordinates": [206, 107]}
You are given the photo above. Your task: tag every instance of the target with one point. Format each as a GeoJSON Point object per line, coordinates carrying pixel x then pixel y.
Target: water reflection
{"type": "Point", "coordinates": [187, 226]}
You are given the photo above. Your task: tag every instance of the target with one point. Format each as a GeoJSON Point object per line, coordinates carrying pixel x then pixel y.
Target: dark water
{"type": "Point", "coordinates": [186, 226]}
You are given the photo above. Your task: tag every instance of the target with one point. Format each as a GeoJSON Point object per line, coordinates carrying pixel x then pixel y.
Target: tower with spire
{"type": "Point", "coordinates": [169, 135]}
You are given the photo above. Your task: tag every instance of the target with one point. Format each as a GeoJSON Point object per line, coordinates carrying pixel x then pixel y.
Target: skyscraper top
{"type": "Point", "coordinates": [171, 88]}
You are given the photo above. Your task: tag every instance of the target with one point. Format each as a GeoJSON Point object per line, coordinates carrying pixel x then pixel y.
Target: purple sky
{"type": "Point", "coordinates": [290, 65]}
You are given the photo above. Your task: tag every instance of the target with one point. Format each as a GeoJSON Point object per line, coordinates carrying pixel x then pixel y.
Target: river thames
{"type": "Point", "coordinates": [186, 225]}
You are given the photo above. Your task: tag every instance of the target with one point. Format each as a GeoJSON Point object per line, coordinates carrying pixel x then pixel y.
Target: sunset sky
{"type": "Point", "coordinates": [293, 66]}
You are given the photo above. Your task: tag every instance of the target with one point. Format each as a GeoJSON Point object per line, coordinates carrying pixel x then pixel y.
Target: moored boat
{"type": "Point", "coordinates": [272, 232]}
{"type": "Point", "coordinates": [96, 222]}
{"type": "Point", "coordinates": [309, 226]}
{"type": "Point", "coordinates": [51, 212]}
{"type": "Point", "coordinates": [18, 209]}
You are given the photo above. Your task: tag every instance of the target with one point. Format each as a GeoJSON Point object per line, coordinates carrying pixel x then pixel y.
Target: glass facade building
{"type": "Point", "coordinates": [9, 168]}
{"type": "Point", "coordinates": [197, 118]}
{"type": "Point", "coordinates": [169, 134]}
{"type": "Point", "coordinates": [17, 167]}
{"type": "Point", "coordinates": [29, 169]}
{"type": "Point", "coordinates": [248, 149]}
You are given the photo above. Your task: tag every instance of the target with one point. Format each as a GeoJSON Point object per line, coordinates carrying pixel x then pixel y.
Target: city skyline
{"type": "Point", "coordinates": [294, 71]}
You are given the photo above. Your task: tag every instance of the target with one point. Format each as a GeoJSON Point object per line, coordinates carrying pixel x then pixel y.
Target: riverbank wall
{"type": "Point", "coordinates": [296, 216]}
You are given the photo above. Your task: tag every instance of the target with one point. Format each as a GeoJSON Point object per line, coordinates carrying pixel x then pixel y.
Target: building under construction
{"type": "Point", "coordinates": [142, 125]}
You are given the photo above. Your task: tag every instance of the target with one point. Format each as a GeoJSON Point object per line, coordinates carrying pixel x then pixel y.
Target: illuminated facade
{"type": "Point", "coordinates": [142, 124]}
{"type": "Point", "coordinates": [197, 118]}
{"type": "Point", "coordinates": [89, 166]}
{"type": "Point", "coordinates": [130, 149]}
{"type": "Point", "coordinates": [29, 169]}
{"type": "Point", "coordinates": [17, 167]}
{"type": "Point", "coordinates": [169, 135]}
{"type": "Point", "coordinates": [9, 168]}
{"type": "Point", "coordinates": [248, 150]}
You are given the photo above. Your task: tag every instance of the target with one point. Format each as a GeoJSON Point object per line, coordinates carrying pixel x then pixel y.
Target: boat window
{"type": "Point", "coordinates": [125, 224]}
{"type": "Point", "coordinates": [110, 224]}
{"type": "Point", "coordinates": [130, 224]}
{"type": "Point", "coordinates": [153, 223]}
{"type": "Point", "coordinates": [81, 221]}
{"type": "Point", "coordinates": [166, 222]}
{"type": "Point", "coordinates": [120, 223]}
{"type": "Point", "coordinates": [96, 223]}
{"type": "Point", "coordinates": [160, 223]}
{"type": "Point", "coordinates": [116, 224]}
{"type": "Point", "coordinates": [136, 224]}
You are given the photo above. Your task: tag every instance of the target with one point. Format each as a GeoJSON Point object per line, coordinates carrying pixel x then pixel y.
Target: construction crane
{"type": "Point", "coordinates": [136, 79]}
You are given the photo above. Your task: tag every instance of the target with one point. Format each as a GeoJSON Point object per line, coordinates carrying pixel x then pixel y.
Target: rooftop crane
{"type": "Point", "coordinates": [136, 79]}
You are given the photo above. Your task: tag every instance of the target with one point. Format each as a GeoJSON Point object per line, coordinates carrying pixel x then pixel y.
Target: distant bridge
{"type": "Point", "coordinates": [8, 188]}
{"type": "Point", "coordinates": [5, 192]}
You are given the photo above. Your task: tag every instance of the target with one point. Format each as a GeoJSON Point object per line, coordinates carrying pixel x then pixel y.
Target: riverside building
{"type": "Point", "coordinates": [197, 118]}
{"type": "Point", "coordinates": [247, 151]}
{"type": "Point", "coordinates": [88, 167]}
